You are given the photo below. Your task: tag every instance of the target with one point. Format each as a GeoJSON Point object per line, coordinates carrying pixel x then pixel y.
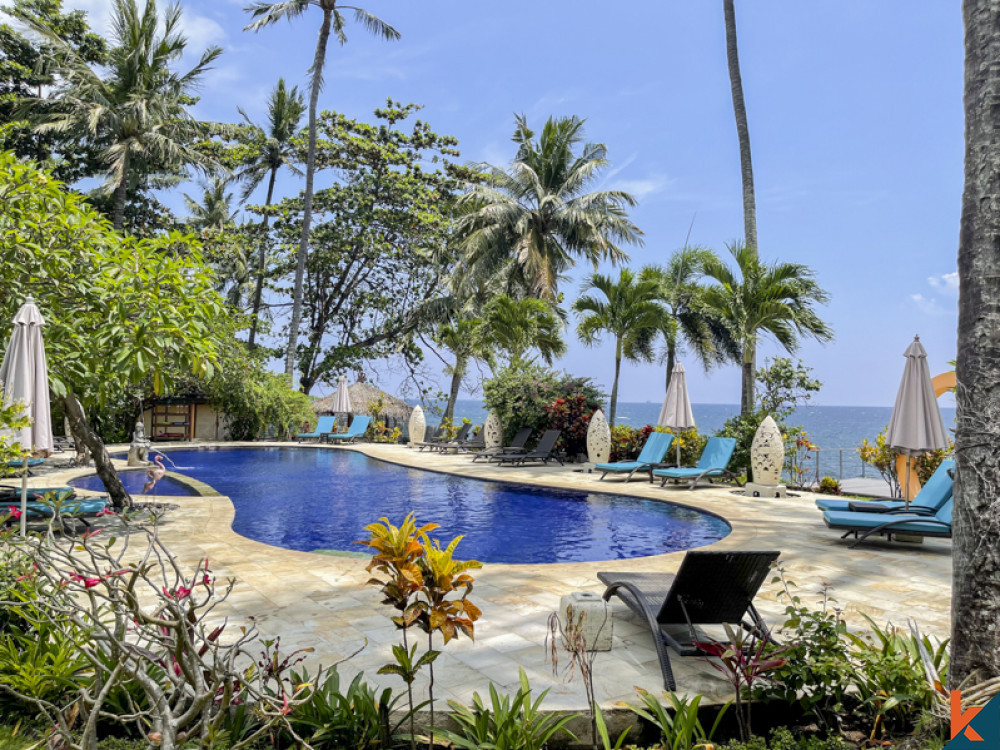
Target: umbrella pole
{"type": "Point", "coordinates": [24, 499]}
{"type": "Point", "coordinates": [677, 438]}
{"type": "Point", "coordinates": [906, 493]}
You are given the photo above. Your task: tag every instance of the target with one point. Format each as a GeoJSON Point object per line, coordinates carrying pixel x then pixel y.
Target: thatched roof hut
{"type": "Point", "coordinates": [362, 394]}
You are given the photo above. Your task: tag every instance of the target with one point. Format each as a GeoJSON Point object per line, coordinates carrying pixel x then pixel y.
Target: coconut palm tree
{"type": "Point", "coordinates": [516, 327]}
{"type": "Point", "coordinates": [975, 597]}
{"type": "Point", "coordinates": [630, 311]}
{"type": "Point", "coordinates": [264, 14]}
{"type": "Point", "coordinates": [460, 338]}
{"type": "Point", "coordinates": [272, 150]}
{"type": "Point", "coordinates": [689, 321]}
{"type": "Point", "coordinates": [742, 129]}
{"type": "Point", "coordinates": [532, 221]}
{"type": "Point", "coordinates": [213, 212]}
{"type": "Point", "coordinates": [755, 298]}
{"type": "Point", "coordinates": [136, 105]}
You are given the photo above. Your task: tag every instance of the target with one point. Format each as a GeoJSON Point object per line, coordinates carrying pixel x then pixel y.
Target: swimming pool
{"type": "Point", "coordinates": [307, 499]}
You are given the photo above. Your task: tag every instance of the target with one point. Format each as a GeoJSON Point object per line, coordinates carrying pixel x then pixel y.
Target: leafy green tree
{"type": "Point", "coordinates": [689, 320]}
{"type": "Point", "coordinates": [380, 244]}
{"type": "Point", "coordinates": [754, 298]}
{"type": "Point", "coordinates": [270, 148]}
{"type": "Point", "coordinates": [144, 310]}
{"type": "Point", "coordinates": [630, 310]}
{"type": "Point", "coordinates": [26, 73]}
{"type": "Point", "coordinates": [135, 105]}
{"type": "Point", "coordinates": [528, 224]}
{"type": "Point", "coordinates": [517, 327]}
{"type": "Point", "coordinates": [267, 13]}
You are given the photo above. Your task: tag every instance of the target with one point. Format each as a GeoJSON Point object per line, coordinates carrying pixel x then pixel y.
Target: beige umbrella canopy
{"type": "Point", "coordinates": [676, 412]}
{"type": "Point", "coordinates": [24, 378]}
{"type": "Point", "coordinates": [916, 426]}
{"type": "Point", "coordinates": [342, 398]}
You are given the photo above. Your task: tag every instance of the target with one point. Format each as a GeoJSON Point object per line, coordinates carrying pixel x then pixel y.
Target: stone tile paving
{"type": "Point", "coordinates": [320, 601]}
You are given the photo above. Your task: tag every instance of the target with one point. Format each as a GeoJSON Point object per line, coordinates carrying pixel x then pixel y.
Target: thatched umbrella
{"type": "Point", "coordinates": [363, 395]}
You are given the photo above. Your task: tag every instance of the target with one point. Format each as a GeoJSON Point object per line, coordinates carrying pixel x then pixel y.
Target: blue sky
{"type": "Point", "coordinates": [855, 113]}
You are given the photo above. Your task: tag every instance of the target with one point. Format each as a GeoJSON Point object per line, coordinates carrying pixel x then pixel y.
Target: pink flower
{"type": "Point", "coordinates": [106, 512]}
{"type": "Point", "coordinates": [88, 583]}
{"type": "Point", "coordinates": [14, 512]}
{"type": "Point", "coordinates": [181, 592]}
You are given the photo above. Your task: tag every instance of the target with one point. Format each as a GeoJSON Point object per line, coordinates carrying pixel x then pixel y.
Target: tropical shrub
{"type": "Point", "coordinates": [830, 486]}
{"type": "Point", "coordinates": [878, 455]}
{"type": "Point", "coordinates": [570, 415]}
{"type": "Point", "coordinates": [519, 395]}
{"type": "Point", "coordinates": [681, 727]}
{"type": "Point", "coordinates": [626, 441]}
{"type": "Point", "coordinates": [783, 739]}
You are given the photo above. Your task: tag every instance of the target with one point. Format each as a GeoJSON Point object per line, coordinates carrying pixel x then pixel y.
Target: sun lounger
{"type": "Point", "coordinates": [66, 503]}
{"type": "Point", "coordinates": [710, 588]}
{"type": "Point", "coordinates": [516, 446]}
{"type": "Point", "coordinates": [864, 525]}
{"type": "Point", "coordinates": [928, 501]}
{"type": "Point", "coordinates": [475, 443]}
{"type": "Point", "coordinates": [460, 438]}
{"type": "Point", "coordinates": [541, 453]}
{"type": "Point", "coordinates": [355, 432]}
{"type": "Point", "coordinates": [11, 494]}
{"type": "Point", "coordinates": [656, 447]}
{"type": "Point", "coordinates": [713, 464]}
{"type": "Point", "coordinates": [324, 426]}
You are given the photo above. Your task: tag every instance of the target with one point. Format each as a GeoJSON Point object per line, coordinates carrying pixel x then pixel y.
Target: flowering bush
{"type": "Point", "coordinates": [571, 415]}
{"type": "Point", "coordinates": [627, 443]}
{"type": "Point", "coordinates": [520, 395]}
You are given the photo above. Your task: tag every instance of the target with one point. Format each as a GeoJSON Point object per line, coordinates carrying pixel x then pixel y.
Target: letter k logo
{"type": "Point", "coordinates": [960, 721]}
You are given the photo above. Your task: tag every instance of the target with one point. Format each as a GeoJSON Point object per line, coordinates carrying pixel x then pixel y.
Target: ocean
{"type": "Point", "coordinates": [837, 430]}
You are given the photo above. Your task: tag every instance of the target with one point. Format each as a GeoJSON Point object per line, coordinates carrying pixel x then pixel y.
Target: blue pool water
{"type": "Point", "coordinates": [134, 480]}
{"type": "Point", "coordinates": [319, 499]}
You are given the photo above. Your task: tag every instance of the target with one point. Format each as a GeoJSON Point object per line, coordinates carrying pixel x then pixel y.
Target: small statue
{"type": "Point", "coordinates": [139, 448]}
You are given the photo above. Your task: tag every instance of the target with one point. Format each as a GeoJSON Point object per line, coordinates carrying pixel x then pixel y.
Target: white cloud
{"type": "Point", "coordinates": [930, 306]}
{"type": "Point", "coordinates": [643, 188]}
{"type": "Point", "coordinates": [946, 282]}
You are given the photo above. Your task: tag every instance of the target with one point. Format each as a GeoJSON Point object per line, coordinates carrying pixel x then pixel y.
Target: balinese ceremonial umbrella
{"type": "Point", "coordinates": [676, 413]}
{"type": "Point", "coordinates": [342, 402]}
{"type": "Point", "coordinates": [24, 376]}
{"type": "Point", "coordinates": [916, 426]}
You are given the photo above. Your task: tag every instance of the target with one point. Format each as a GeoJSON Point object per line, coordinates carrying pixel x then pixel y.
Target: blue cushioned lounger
{"type": "Point", "coordinates": [355, 432]}
{"type": "Point", "coordinates": [323, 427]}
{"type": "Point", "coordinates": [928, 501]}
{"type": "Point", "coordinates": [656, 447]}
{"type": "Point", "coordinates": [864, 525]}
{"type": "Point", "coordinates": [714, 462]}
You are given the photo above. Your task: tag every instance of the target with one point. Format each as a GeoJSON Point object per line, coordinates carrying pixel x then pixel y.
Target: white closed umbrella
{"type": "Point", "coordinates": [24, 376]}
{"type": "Point", "coordinates": [676, 413]}
{"type": "Point", "coordinates": [916, 426]}
{"type": "Point", "coordinates": [342, 401]}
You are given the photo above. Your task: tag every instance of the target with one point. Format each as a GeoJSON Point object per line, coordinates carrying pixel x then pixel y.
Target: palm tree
{"type": "Point", "coordinates": [136, 105]}
{"type": "Point", "coordinates": [975, 587]}
{"type": "Point", "coordinates": [265, 14]}
{"type": "Point", "coordinates": [688, 319]}
{"type": "Point", "coordinates": [530, 222]}
{"type": "Point", "coordinates": [213, 212]}
{"type": "Point", "coordinates": [518, 326]}
{"type": "Point", "coordinates": [756, 298]}
{"type": "Point", "coordinates": [273, 150]}
{"type": "Point", "coordinates": [742, 129]}
{"type": "Point", "coordinates": [458, 337]}
{"type": "Point", "coordinates": [630, 311]}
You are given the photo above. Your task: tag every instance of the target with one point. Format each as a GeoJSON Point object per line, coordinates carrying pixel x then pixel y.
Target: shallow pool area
{"type": "Point", "coordinates": [305, 499]}
{"type": "Point", "coordinates": [134, 481]}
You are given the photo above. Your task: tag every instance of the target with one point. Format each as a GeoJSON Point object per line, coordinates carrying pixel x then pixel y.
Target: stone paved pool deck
{"type": "Point", "coordinates": [321, 602]}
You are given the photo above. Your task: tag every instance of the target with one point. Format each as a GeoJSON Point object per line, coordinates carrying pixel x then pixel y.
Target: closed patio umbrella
{"type": "Point", "coordinates": [676, 413]}
{"type": "Point", "coordinates": [24, 377]}
{"type": "Point", "coordinates": [916, 426]}
{"type": "Point", "coordinates": [342, 401]}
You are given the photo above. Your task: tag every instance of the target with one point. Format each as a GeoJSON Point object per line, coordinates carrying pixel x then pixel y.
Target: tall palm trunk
{"type": "Point", "coordinates": [300, 266]}
{"type": "Point", "coordinates": [456, 383]}
{"type": "Point", "coordinates": [121, 195]}
{"type": "Point", "coordinates": [742, 130]}
{"type": "Point", "coordinates": [102, 461]}
{"type": "Point", "coordinates": [671, 361]}
{"type": "Point", "coordinates": [261, 260]}
{"type": "Point", "coordinates": [975, 602]}
{"type": "Point", "coordinates": [614, 386]}
{"type": "Point", "coordinates": [747, 381]}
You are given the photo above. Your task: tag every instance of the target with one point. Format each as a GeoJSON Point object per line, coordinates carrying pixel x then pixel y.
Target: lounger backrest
{"type": "Point", "coordinates": [718, 451]}
{"type": "Point", "coordinates": [463, 432]}
{"type": "Point", "coordinates": [325, 424]}
{"type": "Point", "coordinates": [944, 512]}
{"type": "Point", "coordinates": [938, 489]}
{"type": "Point", "coordinates": [521, 437]}
{"type": "Point", "coordinates": [359, 426]}
{"type": "Point", "coordinates": [715, 587]}
{"type": "Point", "coordinates": [656, 447]}
{"type": "Point", "coordinates": [547, 442]}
